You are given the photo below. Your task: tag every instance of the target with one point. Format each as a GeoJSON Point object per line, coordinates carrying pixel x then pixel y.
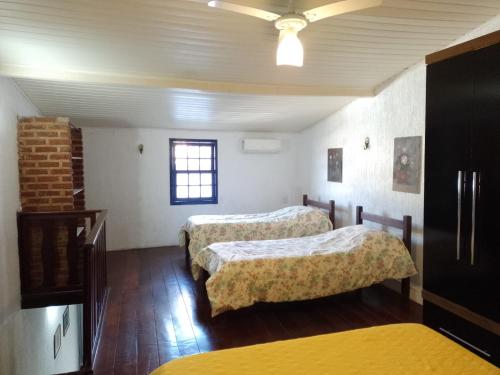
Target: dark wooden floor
{"type": "Point", "coordinates": [156, 312]}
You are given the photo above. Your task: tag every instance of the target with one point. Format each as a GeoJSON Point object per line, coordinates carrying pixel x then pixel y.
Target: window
{"type": "Point", "coordinates": [193, 171]}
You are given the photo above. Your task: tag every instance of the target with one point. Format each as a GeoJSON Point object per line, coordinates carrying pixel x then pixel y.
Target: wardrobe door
{"type": "Point", "coordinates": [484, 254]}
{"type": "Point", "coordinates": [447, 152]}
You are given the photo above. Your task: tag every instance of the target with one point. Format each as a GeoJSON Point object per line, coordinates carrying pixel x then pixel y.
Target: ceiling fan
{"type": "Point", "coordinates": [290, 50]}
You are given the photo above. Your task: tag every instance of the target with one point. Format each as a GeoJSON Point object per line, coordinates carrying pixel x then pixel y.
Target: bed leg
{"type": "Point", "coordinates": [200, 284]}
{"type": "Point", "coordinates": [359, 215]}
{"type": "Point", "coordinates": [405, 288]}
{"type": "Point", "coordinates": [186, 249]}
{"type": "Point", "coordinates": [331, 213]}
{"type": "Point", "coordinates": [407, 226]}
{"type": "Point", "coordinates": [359, 293]}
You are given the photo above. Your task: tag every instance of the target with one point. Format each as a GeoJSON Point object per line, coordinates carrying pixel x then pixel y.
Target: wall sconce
{"type": "Point", "coordinates": [366, 145]}
{"type": "Point", "coordinates": [140, 148]}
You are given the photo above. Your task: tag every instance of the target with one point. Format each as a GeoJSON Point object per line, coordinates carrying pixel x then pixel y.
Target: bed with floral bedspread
{"type": "Point", "coordinates": [289, 222]}
{"type": "Point", "coordinates": [245, 272]}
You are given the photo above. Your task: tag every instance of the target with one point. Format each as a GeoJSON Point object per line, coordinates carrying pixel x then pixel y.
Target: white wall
{"type": "Point", "coordinates": [25, 335]}
{"type": "Point", "coordinates": [12, 104]}
{"type": "Point", "coordinates": [26, 342]}
{"type": "Point", "coordinates": [398, 110]}
{"type": "Point", "coordinates": [136, 189]}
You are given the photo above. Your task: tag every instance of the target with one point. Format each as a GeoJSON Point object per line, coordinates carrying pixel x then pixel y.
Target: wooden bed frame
{"type": "Point", "coordinates": [404, 224]}
{"type": "Point", "coordinates": [330, 207]}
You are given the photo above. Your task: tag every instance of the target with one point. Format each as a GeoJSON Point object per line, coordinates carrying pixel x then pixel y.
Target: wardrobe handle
{"type": "Point", "coordinates": [484, 352]}
{"type": "Point", "coordinates": [459, 210]}
{"type": "Point", "coordinates": [473, 227]}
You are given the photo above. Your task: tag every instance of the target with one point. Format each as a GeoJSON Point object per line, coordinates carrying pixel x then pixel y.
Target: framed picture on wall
{"type": "Point", "coordinates": [407, 164]}
{"type": "Point", "coordinates": [57, 340]}
{"type": "Point", "coordinates": [335, 164]}
{"type": "Point", "coordinates": [65, 320]}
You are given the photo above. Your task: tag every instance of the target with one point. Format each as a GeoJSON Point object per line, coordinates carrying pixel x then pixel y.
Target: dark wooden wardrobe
{"type": "Point", "coordinates": [462, 198]}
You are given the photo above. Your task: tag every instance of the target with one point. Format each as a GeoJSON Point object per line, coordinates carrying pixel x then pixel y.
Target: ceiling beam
{"type": "Point", "coordinates": [19, 71]}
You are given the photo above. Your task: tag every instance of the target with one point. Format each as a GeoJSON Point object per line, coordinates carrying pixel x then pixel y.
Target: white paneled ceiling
{"type": "Point", "coordinates": [128, 106]}
{"type": "Point", "coordinates": [169, 45]}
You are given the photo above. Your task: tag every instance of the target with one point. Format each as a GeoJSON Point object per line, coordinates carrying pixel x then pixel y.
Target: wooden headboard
{"type": "Point", "coordinates": [404, 224]}
{"type": "Point", "coordinates": [330, 207]}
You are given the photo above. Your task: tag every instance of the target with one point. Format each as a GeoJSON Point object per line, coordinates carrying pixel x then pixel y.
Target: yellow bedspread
{"type": "Point", "coordinates": [385, 350]}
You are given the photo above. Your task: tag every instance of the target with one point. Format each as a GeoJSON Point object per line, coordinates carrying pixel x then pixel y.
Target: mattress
{"type": "Point", "coordinates": [294, 221]}
{"type": "Point", "coordinates": [397, 349]}
{"type": "Point", "coordinates": [294, 269]}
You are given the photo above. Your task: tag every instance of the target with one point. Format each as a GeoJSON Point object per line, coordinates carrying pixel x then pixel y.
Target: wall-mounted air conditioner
{"type": "Point", "coordinates": [261, 146]}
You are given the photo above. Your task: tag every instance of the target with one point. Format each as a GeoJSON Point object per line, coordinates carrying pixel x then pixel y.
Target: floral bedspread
{"type": "Point", "coordinates": [337, 261]}
{"type": "Point", "coordinates": [289, 222]}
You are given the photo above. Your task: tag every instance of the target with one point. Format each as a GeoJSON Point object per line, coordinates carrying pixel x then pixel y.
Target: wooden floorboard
{"type": "Point", "coordinates": [157, 312]}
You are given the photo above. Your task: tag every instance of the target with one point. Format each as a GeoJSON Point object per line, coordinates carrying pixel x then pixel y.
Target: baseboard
{"type": "Point", "coordinates": [143, 248]}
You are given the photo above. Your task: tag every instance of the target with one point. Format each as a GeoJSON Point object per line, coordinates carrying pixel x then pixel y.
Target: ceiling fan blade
{"type": "Point", "coordinates": [340, 7]}
{"type": "Point", "coordinates": [249, 11]}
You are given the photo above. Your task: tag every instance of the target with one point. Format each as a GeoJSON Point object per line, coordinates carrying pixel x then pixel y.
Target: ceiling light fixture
{"type": "Point", "coordinates": [290, 50]}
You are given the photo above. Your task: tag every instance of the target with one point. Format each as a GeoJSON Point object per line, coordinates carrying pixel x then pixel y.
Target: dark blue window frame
{"type": "Point", "coordinates": [174, 200]}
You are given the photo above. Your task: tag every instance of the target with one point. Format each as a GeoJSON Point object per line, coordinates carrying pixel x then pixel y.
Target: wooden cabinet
{"type": "Point", "coordinates": [484, 259]}
{"type": "Point", "coordinates": [462, 255]}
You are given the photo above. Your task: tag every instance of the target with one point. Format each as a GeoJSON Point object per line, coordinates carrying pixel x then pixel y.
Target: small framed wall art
{"type": "Point", "coordinates": [335, 164]}
{"type": "Point", "coordinates": [65, 320]}
{"type": "Point", "coordinates": [407, 164]}
{"type": "Point", "coordinates": [57, 340]}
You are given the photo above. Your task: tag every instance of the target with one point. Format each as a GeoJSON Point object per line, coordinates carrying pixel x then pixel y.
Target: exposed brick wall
{"type": "Point", "coordinates": [50, 169]}
{"type": "Point", "coordinates": [77, 152]}
{"type": "Point", "coordinates": [61, 266]}
{"type": "Point", "coordinates": [45, 164]}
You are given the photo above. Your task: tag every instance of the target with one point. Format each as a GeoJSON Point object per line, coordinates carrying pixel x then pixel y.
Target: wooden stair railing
{"type": "Point", "coordinates": [96, 290]}
{"type": "Point", "coordinates": [62, 257]}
